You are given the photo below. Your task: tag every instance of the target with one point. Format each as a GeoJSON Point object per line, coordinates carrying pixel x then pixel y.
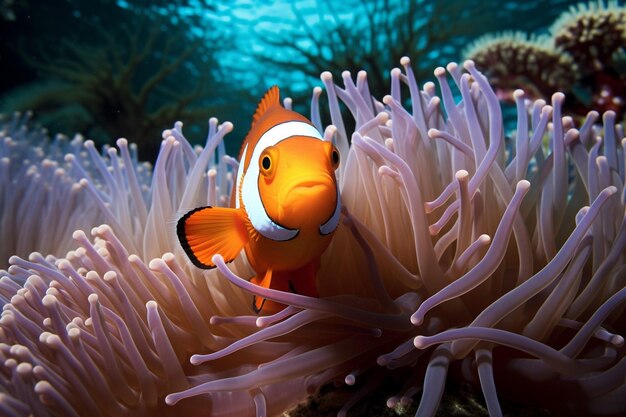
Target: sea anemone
{"type": "Point", "coordinates": [513, 59]}
{"type": "Point", "coordinates": [500, 261]}
{"type": "Point", "coordinates": [42, 200]}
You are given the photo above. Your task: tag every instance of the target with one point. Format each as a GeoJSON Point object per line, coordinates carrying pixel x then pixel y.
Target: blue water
{"type": "Point", "coordinates": [82, 65]}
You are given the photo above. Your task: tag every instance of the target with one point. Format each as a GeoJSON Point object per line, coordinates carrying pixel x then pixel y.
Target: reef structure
{"type": "Point", "coordinates": [499, 261]}
{"type": "Point", "coordinates": [583, 56]}
{"type": "Point", "coordinates": [517, 60]}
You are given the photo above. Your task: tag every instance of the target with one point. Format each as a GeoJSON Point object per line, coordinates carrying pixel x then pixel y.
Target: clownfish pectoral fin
{"type": "Point", "coordinates": [207, 231]}
{"type": "Point", "coordinates": [258, 303]}
{"type": "Point", "coordinates": [265, 282]}
{"type": "Point", "coordinates": [285, 281]}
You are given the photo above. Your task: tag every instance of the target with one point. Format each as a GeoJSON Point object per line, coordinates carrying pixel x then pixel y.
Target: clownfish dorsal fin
{"type": "Point", "coordinates": [269, 100]}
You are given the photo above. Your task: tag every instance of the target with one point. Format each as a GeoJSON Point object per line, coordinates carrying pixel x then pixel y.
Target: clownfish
{"type": "Point", "coordinates": [284, 210]}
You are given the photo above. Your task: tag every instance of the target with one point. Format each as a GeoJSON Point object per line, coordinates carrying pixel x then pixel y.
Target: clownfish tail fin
{"type": "Point", "coordinates": [269, 100]}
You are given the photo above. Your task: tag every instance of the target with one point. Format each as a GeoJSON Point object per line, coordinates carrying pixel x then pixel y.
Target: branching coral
{"type": "Point", "coordinates": [457, 253]}
{"type": "Point", "coordinates": [127, 82]}
{"type": "Point", "coordinates": [372, 36]}
{"type": "Point", "coordinates": [6, 10]}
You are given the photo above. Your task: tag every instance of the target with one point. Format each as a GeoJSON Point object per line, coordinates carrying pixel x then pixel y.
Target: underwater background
{"type": "Point", "coordinates": [109, 69]}
{"type": "Point", "coordinates": [131, 69]}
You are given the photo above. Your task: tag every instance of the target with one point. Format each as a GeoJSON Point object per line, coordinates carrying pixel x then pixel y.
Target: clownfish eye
{"type": "Point", "coordinates": [267, 161]}
{"type": "Point", "coordinates": [334, 158]}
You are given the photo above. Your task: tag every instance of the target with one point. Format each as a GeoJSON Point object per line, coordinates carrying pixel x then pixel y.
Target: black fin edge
{"type": "Point", "coordinates": [254, 304]}
{"type": "Point", "coordinates": [182, 238]}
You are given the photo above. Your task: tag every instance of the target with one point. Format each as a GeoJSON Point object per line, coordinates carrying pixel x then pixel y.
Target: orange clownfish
{"type": "Point", "coordinates": [284, 210]}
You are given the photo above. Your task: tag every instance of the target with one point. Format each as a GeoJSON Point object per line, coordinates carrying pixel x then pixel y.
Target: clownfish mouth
{"type": "Point", "coordinates": [309, 188]}
{"type": "Point", "coordinates": [307, 202]}
{"type": "Point", "coordinates": [309, 184]}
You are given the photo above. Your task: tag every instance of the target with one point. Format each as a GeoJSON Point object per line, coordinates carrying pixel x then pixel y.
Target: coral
{"type": "Point", "coordinates": [372, 36]}
{"type": "Point", "coordinates": [514, 59]}
{"type": "Point", "coordinates": [592, 35]}
{"type": "Point", "coordinates": [6, 10]}
{"type": "Point", "coordinates": [126, 82]}
{"type": "Point", "coordinates": [457, 254]}
{"type": "Point", "coordinates": [595, 34]}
